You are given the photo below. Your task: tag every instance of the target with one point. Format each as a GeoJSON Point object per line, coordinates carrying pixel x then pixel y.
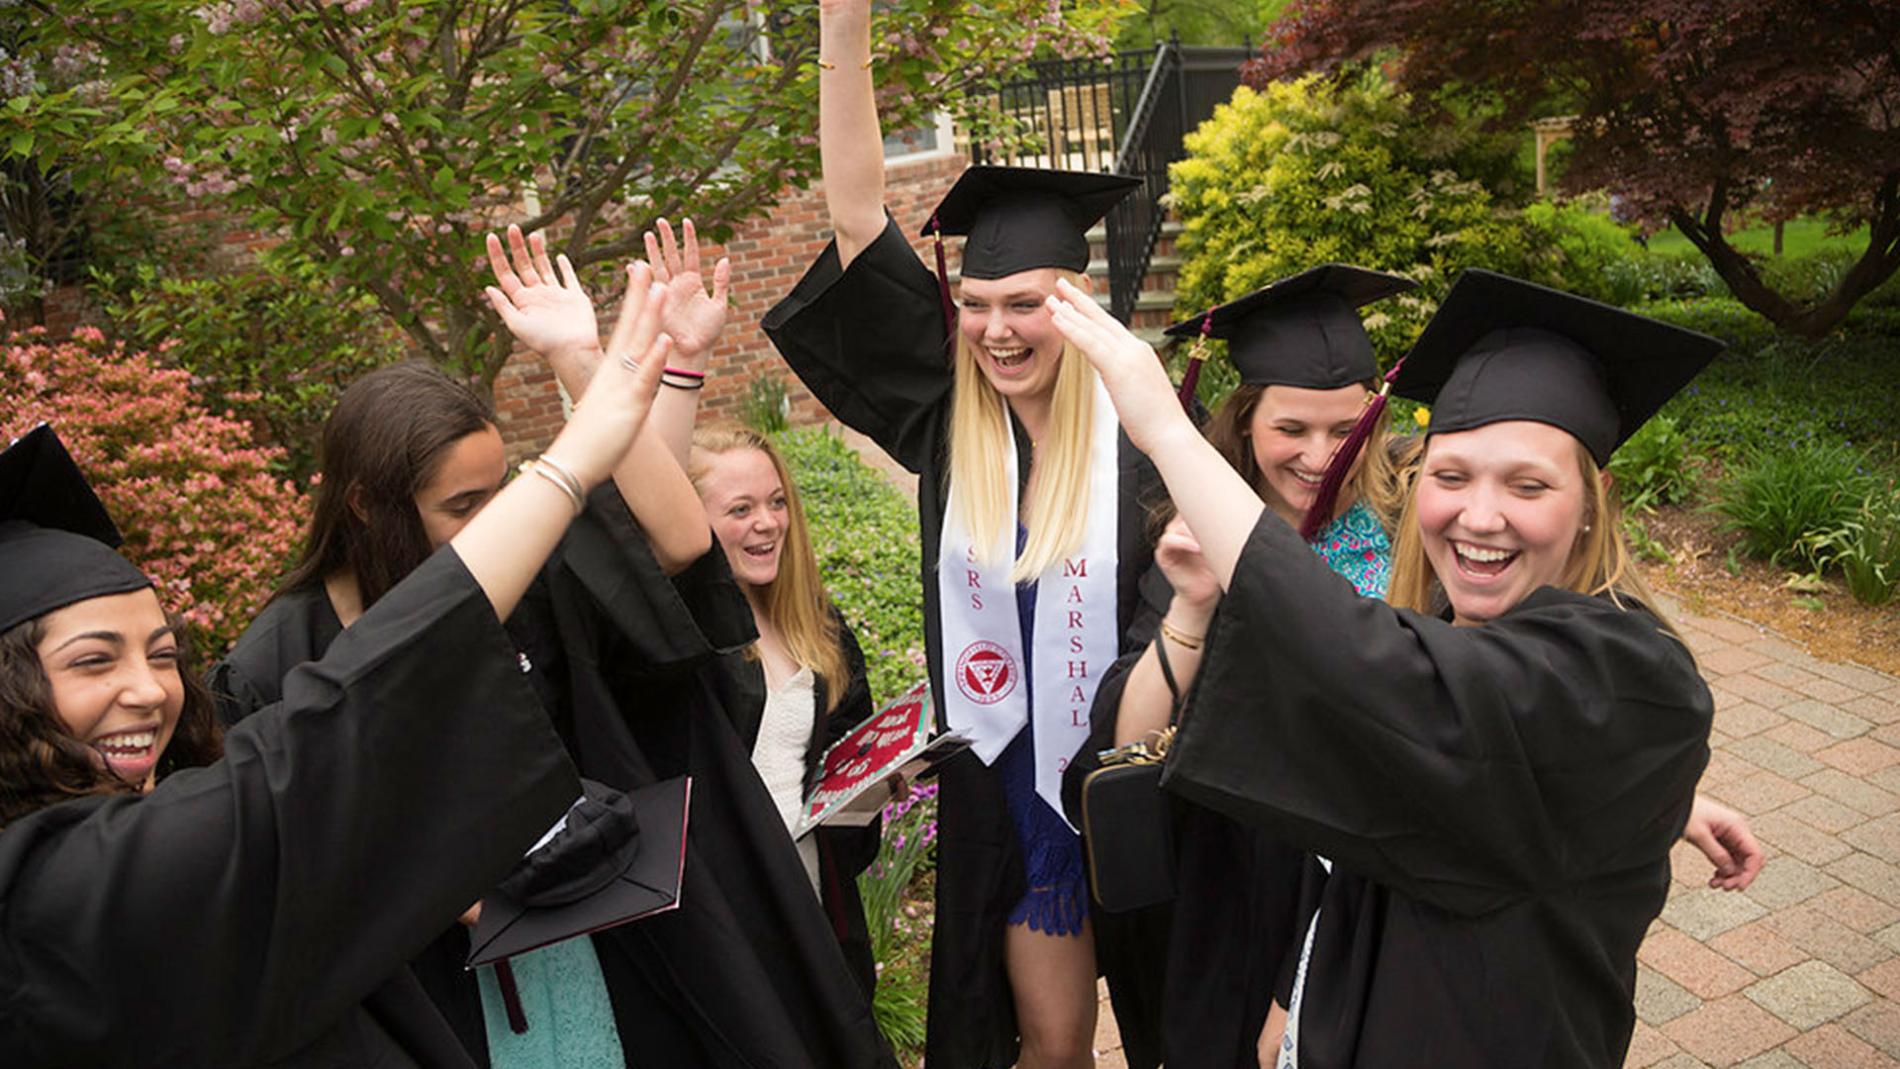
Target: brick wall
{"type": "Point", "coordinates": [768, 256]}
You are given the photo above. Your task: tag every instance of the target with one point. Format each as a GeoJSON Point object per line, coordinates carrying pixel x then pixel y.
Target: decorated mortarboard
{"type": "Point", "coordinates": [1504, 349]}
{"type": "Point", "coordinates": [56, 539]}
{"type": "Point", "coordinates": [1303, 330]}
{"type": "Point", "coordinates": [1021, 218]}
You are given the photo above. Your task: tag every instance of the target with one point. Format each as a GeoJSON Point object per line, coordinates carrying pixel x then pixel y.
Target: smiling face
{"type": "Point", "coordinates": [1293, 432]}
{"type": "Point", "coordinates": [1008, 327]}
{"type": "Point", "coordinates": [1500, 509]}
{"type": "Point", "coordinates": [469, 474]}
{"type": "Point", "coordinates": [745, 502]}
{"type": "Point", "coordinates": [112, 666]}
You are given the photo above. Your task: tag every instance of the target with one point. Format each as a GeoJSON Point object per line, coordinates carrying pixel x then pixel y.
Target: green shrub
{"type": "Point", "coordinates": [1779, 499]}
{"type": "Point", "coordinates": [1302, 173]}
{"type": "Point", "coordinates": [272, 345]}
{"type": "Point", "coordinates": [1308, 172]}
{"type": "Point", "coordinates": [865, 535]}
{"type": "Point", "coordinates": [1572, 247]}
{"type": "Point", "coordinates": [1866, 549]}
{"type": "Point", "coordinates": [1653, 467]}
{"type": "Point", "coordinates": [766, 407]}
{"type": "Point", "coordinates": [1664, 276]}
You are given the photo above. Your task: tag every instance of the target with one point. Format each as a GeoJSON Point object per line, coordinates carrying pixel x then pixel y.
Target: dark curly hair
{"type": "Point", "coordinates": [41, 764]}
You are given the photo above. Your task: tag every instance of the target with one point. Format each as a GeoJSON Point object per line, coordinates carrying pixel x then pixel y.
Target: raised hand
{"type": "Point", "coordinates": [615, 405]}
{"type": "Point", "coordinates": [544, 308]}
{"type": "Point", "coordinates": [1136, 381]}
{"type": "Point", "coordinates": [693, 319]}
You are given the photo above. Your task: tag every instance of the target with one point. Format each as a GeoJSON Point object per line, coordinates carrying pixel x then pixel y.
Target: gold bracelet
{"type": "Point", "coordinates": [827, 65]}
{"type": "Point", "coordinates": [1180, 637]}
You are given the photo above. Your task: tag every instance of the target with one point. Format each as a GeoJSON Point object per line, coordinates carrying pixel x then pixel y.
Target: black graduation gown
{"type": "Point", "coordinates": [843, 852]}
{"type": "Point", "coordinates": [1502, 798]}
{"type": "Point", "coordinates": [299, 626]}
{"type": "Point", "coordinates": [747, 972]}
{"type": "Point", "coordinates": [1202, 973]}
{"type": "Point", "coordinates": [869, 343]}
{"type": "Point", "coordinates": [241, 913]}
{"type": "Point", "coordinates": [619, 652]}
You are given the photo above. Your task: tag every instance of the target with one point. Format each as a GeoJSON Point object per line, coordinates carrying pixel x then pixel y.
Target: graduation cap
{"type": "Point", "coordinates": [1303, 330]}
{"type": "Point", "coordinates": [614, 858]}
{"type": "Point", "coordinates": [56, 539]}
{"type": "Point", "coordinates": [1021, 218]}
{"type": "Point", "coordinates": [1501, 349]}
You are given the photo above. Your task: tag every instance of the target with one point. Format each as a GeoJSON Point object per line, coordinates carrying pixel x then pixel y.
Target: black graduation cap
{"type": "Point", "coordinates": [1501, 348]}
{"type": "Point", "coordinates": [56, 539]}
{"type": "Point", "coordinates": [1303, 330]}
{"type": "Point", "coordinates": [1020, 218]}
{"type": "Point", "coordinates": [616, 858]}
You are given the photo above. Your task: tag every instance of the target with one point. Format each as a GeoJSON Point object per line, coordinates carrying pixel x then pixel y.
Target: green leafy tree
{"type": "Point", "coordinates": [382, 137]}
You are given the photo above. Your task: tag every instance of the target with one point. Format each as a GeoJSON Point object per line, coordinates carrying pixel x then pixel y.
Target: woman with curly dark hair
{"type": "Point", "coordinates": [248, 910]}
{"type": "Point", "coordinates": [42, 762]}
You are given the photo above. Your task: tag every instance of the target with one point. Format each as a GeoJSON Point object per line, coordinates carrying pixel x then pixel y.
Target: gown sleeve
{"type": "Point", "coordinates": [239, 910]}
{"type": "Point", "coordinates": [868, 340]}
{"type": "Point", "coordinates": [669, 624]}
{"type": "Point", "coordinates": [1466, 766]}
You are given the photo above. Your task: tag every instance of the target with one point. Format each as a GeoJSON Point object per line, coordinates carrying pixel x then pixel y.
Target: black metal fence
{"type": "Point", "coordinates": [1128, 114]}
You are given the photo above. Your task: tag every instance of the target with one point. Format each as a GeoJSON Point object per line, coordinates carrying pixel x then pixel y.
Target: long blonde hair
{"type": "Point", "coordinates": [1057, 503]}
{"type": "Point", "coordinates": [1600, 560]}
{"type": "Point", "coordinates": [1377, 481]}
{"type": "Point", "coordinates": [795, 600]}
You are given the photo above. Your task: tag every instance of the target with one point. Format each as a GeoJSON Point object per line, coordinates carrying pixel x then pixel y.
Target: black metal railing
{"type": "Point", "coordinates": [1067, 114]}
{"type": "Point", "coordinates": [1128, 114]}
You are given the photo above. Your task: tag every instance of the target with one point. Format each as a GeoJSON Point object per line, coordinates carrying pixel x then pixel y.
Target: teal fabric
{"type": "Point", "coordinates": [1355, 545]}
{"type": "Point", "coordinates": [564, 998]}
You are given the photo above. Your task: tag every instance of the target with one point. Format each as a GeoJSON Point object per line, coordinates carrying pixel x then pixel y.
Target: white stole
{"type": "Point", "coordinates": [1076, 633]}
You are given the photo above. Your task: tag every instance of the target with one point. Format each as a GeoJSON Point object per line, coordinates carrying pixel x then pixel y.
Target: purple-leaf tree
{"type": "Point", "coordinates": [1698, 112]}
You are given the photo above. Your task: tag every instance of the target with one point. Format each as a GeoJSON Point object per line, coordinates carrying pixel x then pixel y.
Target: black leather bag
{"type": "Point", "coordinates": [1128, 827]}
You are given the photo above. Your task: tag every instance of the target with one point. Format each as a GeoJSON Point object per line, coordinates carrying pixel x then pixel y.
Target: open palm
{"type": "Point", "coordinates": [546, 310]}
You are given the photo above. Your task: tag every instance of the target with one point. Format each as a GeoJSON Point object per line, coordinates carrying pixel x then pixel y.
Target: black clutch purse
{"type": "Point", "coordinates": [1129, 829]}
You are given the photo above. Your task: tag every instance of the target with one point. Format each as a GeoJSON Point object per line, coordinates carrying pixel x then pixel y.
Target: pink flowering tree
{"type": "Point", "coordinates": [199, 507]}
{"type": "Point", "coordinates": [382, 137]}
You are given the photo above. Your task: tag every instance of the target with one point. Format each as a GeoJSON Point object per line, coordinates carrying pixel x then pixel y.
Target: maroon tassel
{"type": "Point", "coordinates": [1191, 376]}
{"type": "Point", "coordinates": [1321, 510]}
{"type": "Point", "coordinates": [511, 998]}
{"type": "Point", "coordinates": [943, 290]}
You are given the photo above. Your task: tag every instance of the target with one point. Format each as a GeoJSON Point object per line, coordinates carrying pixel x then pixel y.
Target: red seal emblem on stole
{"type": "Point", "coordinates": [986, 673]}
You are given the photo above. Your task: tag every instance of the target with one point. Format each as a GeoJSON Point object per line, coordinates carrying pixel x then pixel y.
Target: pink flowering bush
{"type": "Point", "coordinates": [199, 507]}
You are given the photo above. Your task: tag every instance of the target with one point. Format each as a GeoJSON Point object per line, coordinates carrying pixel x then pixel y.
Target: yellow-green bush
{"type": "Point", "coordinates": [1308, 172]}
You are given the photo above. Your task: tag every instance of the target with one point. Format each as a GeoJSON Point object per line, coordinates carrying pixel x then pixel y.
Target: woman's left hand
{"type": "Point", "coordinates": [693, 319]}
{"type": "Point", "coordinates": [1723, 837]}
{"type": "Point", "coordinates": [1136, 381]}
